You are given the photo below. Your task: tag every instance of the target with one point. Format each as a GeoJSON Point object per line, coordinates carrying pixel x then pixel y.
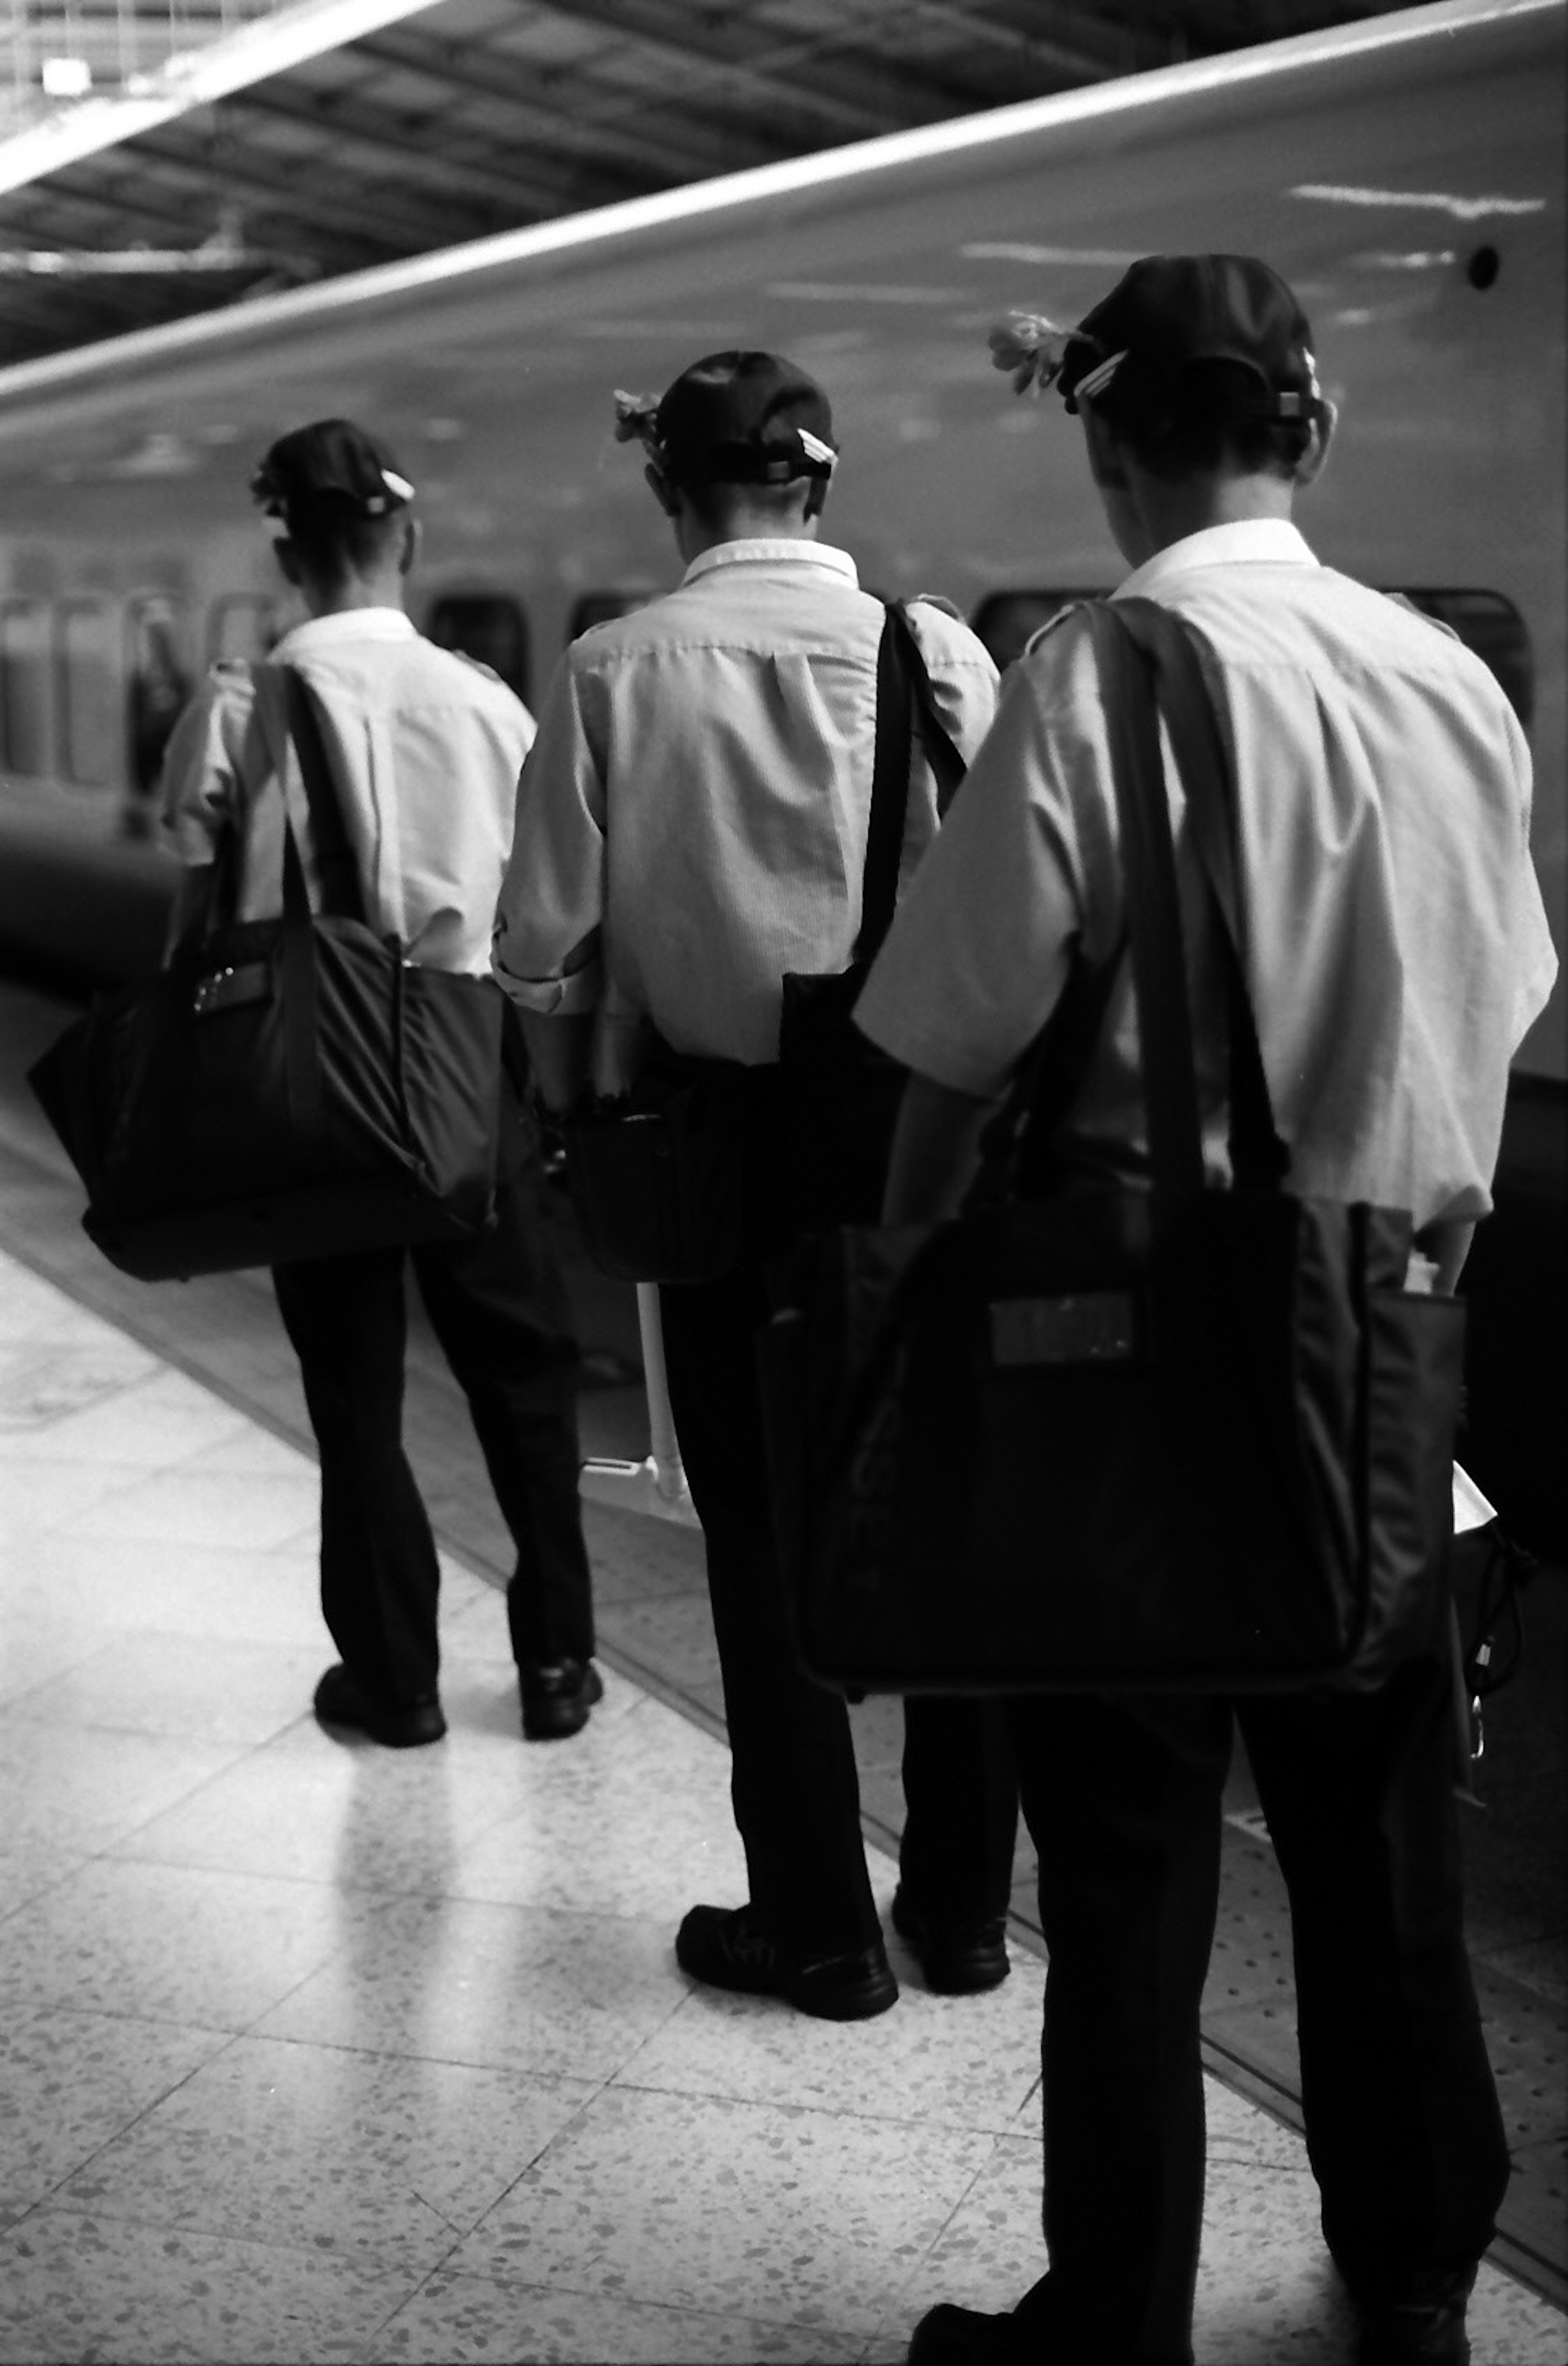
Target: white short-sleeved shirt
{"type": "Point", "coordinates": [691, 818]}
{"type": "Point", "coordinates": [424, 748]}
{"type": "Point", "coordinates": [1398, 947]}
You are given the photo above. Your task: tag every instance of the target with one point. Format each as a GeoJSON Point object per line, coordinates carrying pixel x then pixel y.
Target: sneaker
{"type": "Point", "coordinates": [398, 1725]}
{"type": "Point", "coordinates": [957, 1959]}
{"type": "Point", "coordinates": [557, 1698]}
{"type": "Point", "coordinates": [723, 1946]}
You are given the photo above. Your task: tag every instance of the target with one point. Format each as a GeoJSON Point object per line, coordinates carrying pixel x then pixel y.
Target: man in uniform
{"type": "Point", "coordinates": [696, 810]}
{"type": "Point", "coordinates": [424, 747]}
{"type": "Point", "coordinates": [1398, 950]}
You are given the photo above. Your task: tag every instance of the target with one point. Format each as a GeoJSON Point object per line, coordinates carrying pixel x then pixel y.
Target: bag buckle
{"type": "Point", "coordinates": [1093, 1327]}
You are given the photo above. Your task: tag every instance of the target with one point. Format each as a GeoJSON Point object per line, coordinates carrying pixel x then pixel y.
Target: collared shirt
{"type": "Point", "coordinates": [423, 746]}
{"type": "Point", "coordinates": [692, 820]}
{"type": "Point", "coordinates": [1398, 948]}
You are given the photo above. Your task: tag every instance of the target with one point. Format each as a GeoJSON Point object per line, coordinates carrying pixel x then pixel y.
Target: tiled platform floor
{"type": "Point", "coordinates": [313, 2051]}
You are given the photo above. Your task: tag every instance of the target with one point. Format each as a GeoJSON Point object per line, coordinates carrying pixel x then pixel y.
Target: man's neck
{"type": "Point", "coordinates": [342, 599]}
{"type": "Point", "coordinates": [1168, 512]}
{"type": "Point", "coordinates": [693, 537]}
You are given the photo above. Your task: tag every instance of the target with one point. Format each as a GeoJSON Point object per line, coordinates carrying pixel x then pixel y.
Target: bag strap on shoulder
{"type": "Point", "coordinates": [1154, 915]}
{"type": "Point", "coordinates": [942, 751]}
{"type": "Point", "coordinates": [889, 795]}
{"type": "Point", "coordinates": [342, 890]}
{"type": "Point", "coordinates": [1259, 1156]}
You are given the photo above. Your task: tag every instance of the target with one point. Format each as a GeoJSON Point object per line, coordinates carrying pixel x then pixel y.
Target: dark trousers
{"type": "Point", "coordinates": [1404, 2130]}
{"type": "Point", "coordinates": [792, 1781]}
{"type": "Point", "coordinates": [499, 1308]}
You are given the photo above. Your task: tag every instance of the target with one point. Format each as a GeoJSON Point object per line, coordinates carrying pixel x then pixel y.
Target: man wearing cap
{"type": "Point", "coordinates": [695, 811]}
{"type": "Point", "coordinates": [423, 746]}
{"type": "Point", "coordinates": [1397, 951]}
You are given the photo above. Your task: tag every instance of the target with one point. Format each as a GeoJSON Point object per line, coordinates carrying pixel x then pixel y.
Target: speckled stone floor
{"type": "Point", "coordinates": [315, 2051]}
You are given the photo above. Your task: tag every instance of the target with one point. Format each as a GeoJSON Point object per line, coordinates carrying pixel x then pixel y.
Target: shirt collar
{"type": "Point", "coordinates": [772, 551]}
{"type": "Point", "coordinates": [348, 624]}
{"type": "Point", "coordinates": [1247, 541]}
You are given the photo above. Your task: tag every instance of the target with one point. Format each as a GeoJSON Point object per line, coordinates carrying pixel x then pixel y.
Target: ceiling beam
{"type": "Point", "coordinates": [721, 47]}
{"type": "Point", "coordinates": [389, 227]}
{"type": "Point", "coordinates": [493, 75]}
{"type": "Point", "coordinates": [377, 128]}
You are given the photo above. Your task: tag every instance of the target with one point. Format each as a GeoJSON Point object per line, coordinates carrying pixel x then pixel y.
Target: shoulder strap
{"type": "Point", "coordinates": [1154, 917]}
{"type": "Point", "coordinates": [342, 890]}
{"type": "Point", "coordinates": [1258, 1154]}
{"type": "Point", "coordinates": [942, 753]}
{"type": "Point", "coordinates": [889, 795]}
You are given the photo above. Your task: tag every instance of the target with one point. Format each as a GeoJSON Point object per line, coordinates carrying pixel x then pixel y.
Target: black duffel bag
{"type": "Point", "coordinates": [1179, 1437]}
{"type": "Point", "coordinates": [286, 1088]}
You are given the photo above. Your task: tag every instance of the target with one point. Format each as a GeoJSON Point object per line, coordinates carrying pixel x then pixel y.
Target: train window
{"type": "Point", "coordinates": [487, 625]}
{"type": "Point", "coordinates": [85, 656]}
{"type": "Point", "coordinates": [603, 607]}
{"type": "Point", "coordinates": [157, 684]}
{"type": "Point", "coordinates": [1008, 621]}
{"type": "Point", "coordinates": [1492, 626]}
{"type": "Point", "coordinates": [24, 687]}
{"type": "Point", "coordinates": [241, 624]}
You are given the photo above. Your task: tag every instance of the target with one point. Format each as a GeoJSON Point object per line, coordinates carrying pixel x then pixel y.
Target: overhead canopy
{"type": "Point", "coordinates": [198, 153]}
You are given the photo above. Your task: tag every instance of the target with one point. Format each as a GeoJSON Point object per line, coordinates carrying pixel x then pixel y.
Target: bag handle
{"type": "Point", "coordinates": [1259, 1156]}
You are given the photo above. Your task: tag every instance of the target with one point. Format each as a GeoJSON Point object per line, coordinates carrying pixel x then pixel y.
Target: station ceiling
{"type": "Point", "coordinates": [445, 122]}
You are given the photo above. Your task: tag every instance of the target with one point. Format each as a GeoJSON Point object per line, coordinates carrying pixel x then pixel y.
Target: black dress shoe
{"type": "Point", "coordinates": [723, 1946]}
{"type": "Point", "coordinates": [957, 1959]}
{"type": "Point", "coordinates": [401, 1724]}
{"type": "Point", "coordinates": [950, 2336]}
{"type": "Point", "coordinates": [1420, 2329]}
{"type": "Point", "coordinates": [557, 1698]}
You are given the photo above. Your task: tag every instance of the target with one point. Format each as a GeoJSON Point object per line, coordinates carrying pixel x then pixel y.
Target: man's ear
{"type": "Point", "coordinates": [663, 492]}
{"type": "Point", "coordinates": [1104, 452]}
{"type": "Point", "coordinates": [408, 547]}
{"type": "Point", "coordinates": [287, 558]}
{"type": "Point", "coordinates": [1315, 458]}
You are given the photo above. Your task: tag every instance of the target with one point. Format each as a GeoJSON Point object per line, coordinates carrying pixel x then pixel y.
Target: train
{"type": "Point", "coordinates": [1405, 173]}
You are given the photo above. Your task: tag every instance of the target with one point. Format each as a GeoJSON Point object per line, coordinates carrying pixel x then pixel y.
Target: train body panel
{"type": "Point", "coordinates": [1406, 174]}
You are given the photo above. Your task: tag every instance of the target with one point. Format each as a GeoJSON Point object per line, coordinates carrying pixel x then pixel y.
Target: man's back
{"type": "Point", "coordinates": [424, 749]}
{"type": "Point", "coordinates": [1396, 945]}
{"type": "Point", "coordinates": [719, 743]}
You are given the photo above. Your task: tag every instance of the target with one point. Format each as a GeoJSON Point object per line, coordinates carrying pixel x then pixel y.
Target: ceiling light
{"type": "Point", "coordinates": [66, 77]}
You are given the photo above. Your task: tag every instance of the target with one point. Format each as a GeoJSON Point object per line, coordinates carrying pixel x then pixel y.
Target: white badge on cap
{"type": "Point", "coordinates": [815, 449]}
{"type": "Point", "coordinates": [1096, 380]}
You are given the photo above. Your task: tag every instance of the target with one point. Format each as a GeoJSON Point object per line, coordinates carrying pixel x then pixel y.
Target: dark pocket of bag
{"type": "Point", "coordinates": [840, 1102]}
{"type": "Point", "coordinates": [660, 1180]}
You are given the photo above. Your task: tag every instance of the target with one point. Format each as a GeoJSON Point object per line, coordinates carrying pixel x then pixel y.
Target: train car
{"type": "Point", "coordinates": [1405, 174]}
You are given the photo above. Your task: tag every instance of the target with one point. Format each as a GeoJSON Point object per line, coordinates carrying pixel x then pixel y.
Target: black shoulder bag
{"type": "Point", "coordinates": [1172, 1438]}
{"type": "Point", "coordinates": [286, 1088]}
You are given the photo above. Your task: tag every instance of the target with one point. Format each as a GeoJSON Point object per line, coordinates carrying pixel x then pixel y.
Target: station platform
{"type": "Point", "coordinates": [315, 2051]}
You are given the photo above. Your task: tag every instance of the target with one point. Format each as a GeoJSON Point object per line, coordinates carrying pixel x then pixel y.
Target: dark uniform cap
{"type": "Point", "coordinates": [1172, 309]}
{"type": "Point", "coordinates": [330, 458]}
{"type": "Point", "coordinates": [744, 418]}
